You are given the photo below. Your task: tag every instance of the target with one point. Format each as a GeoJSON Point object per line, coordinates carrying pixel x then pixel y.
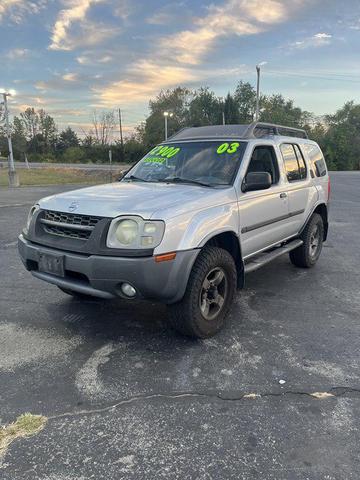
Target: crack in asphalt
{"type": "Point", "coordinates": [318, 395]}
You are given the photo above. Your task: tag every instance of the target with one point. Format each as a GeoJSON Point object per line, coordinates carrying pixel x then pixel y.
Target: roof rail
{"type": "Point", "coordinates": [254, 130]}
{"type": "Point", "coordinates": [262, 129]}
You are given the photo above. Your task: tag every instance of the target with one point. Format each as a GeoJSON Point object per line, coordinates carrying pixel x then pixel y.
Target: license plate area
{"type": "Point", "coordinates": [52, 263]}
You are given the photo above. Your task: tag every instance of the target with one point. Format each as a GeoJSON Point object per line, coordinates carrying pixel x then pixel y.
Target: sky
{"type": "Point", "coordinates": [71, 57]}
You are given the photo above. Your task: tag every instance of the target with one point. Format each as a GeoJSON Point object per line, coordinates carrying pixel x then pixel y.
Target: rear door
{"type": "Point", "coordinates": [301, 192]}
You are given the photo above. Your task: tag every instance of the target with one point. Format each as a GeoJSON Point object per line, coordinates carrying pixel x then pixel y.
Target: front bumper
{"type": "Point", "coordinates": [102, 275]}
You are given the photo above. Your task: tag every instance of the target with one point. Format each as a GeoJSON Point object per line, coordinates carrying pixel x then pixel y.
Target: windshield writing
{"type": "Point", "coordinates": [207, 163]}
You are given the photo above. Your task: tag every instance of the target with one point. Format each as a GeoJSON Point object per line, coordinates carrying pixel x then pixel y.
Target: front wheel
{"type": "Point", "coordinates": [209, 294]}
{"type": "Point", "coordinates": [308, 253]}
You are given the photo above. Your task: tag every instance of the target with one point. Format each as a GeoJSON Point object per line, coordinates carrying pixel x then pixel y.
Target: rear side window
{"type": "Point", "coordinates": [316, 159]}
{"type": "Point", "coordinates": [294, 163]}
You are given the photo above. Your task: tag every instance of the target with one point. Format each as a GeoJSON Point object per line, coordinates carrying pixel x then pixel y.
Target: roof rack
{"type": "Point", "coordinates": [254, 130]}
{"type": "Point", "coordinates": [261, 129]}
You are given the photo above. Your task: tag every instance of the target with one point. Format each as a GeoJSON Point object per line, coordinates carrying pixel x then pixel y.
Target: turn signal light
{"type": "Point", "coordinates": [165, 257]}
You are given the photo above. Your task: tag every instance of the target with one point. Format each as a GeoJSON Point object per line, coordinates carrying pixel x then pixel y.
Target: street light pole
{"type": "Point", "coordinates": [257, 93]}
{"type": "Point", "coordinates": [166, 115]}
{"type": "Point", "coordinates": [13, 177]}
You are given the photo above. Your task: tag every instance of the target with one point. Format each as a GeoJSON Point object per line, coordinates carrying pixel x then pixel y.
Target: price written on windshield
{"type": "Point", "coordinates": [167, 152]}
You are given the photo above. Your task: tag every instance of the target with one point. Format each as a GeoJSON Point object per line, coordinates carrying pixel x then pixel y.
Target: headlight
{"type": "Point", "coordinates": [126, 232]}
{"type": "Point", "coordinates": [135, 233]}
{"type": "Point", "coordinates": [31, 213]}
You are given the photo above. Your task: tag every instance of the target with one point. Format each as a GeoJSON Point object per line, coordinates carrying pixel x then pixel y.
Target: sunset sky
{"type": "Point", "coordinates": [72, 56]}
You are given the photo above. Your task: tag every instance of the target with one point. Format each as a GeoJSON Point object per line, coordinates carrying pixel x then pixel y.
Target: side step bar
{"type": "Point", "coordinates": [267, 257]}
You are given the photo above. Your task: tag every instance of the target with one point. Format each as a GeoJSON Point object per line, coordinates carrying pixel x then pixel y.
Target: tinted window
{"type": "Point", "coordinates": [263, 159]}
{"type": "Point", "coordinates": [316, 159]}
{"type": "Point", "coordinates": [291, 162]}
{"type": "Point", "coordinates": [301, 162]}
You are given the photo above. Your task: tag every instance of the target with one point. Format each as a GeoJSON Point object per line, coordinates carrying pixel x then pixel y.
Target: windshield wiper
{"type": "Point", "coordinates": [134, 178]}
{"type": "Point", "coordinates": [184, 180]}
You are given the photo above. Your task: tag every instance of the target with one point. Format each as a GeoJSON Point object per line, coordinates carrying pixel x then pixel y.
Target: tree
{"type": "Point", "coordinates": [103, 125]}
{"type": "Point", "coordinates": [231, 110]}
{"type": "Point", "coordinates": [47, 129]}
{"type": "Point", "coordinates": [30, 120]}
{"type": "Point", "coordinates": [204, 109]}
{"type": "Point", "coordinates": [175, 101]}
{"type": "Point", "coordinates": [245, 97]}
{"type": "Point", "coordinates": [18, 138]}
{"type": "Point", "coordinates": [67, 139]}
{"type": "Point", "coordinates": [277, 109]}
{"type": "Point", "coordinates": [342, 139]}
{"type": "Point", "coordinates": [39, 129]}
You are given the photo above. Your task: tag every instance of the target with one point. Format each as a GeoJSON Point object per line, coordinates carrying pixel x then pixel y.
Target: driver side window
{"type": "Point", "coordinates": [263, 159]}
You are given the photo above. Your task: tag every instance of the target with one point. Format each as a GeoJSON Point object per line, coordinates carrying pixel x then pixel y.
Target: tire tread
{"type": "Point", "coordinates": [181, 314]}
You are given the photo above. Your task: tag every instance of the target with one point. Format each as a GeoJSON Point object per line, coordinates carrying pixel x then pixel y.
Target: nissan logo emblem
{"type": "Point", "coordinates": [73, 206]}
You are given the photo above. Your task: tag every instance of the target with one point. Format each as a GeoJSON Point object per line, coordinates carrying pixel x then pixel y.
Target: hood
{"type": "Point", "coordinates": [148, 200]}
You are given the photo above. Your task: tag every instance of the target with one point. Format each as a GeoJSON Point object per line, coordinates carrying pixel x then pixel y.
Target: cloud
{"type": "Point", "coordinates": [70, 77]}
{"type": "Point", "coordinates": [161, 18]}
{"type": "Point", "coordinates": [169, 14]}
{"type": "Point", "coordinates": [144, 80]}
{"type": "Point", "coordinates": [68, 81]}
{"type": "Point", "coordinates": [90, 59]}
{"type": "Point", "coordinates": [235, 17]}
{"type": "Point", "coordinates": [317, 40]}
{"type": "Point", "coordinates": [73, 29]}
{"type": "Point", "coordinates": [177, 56]}
{"type": "Point", "coordinates": [17, 53]}
{"type": "Point", "coordinates": [16, 10]}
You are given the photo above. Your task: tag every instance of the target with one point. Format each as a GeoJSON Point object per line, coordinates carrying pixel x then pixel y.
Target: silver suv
{"type": "Point", "coordinates": [186, 223]}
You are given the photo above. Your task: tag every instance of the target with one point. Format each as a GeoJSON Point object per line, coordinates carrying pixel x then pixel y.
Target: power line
{"type": "Point", "coordinates": [320, 76]}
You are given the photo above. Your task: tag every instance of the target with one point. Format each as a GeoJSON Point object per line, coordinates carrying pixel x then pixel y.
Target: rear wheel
{"type": "Point", "coordinates": [209, 294]}
{"type": "Point", "coordinates": [308, 253]}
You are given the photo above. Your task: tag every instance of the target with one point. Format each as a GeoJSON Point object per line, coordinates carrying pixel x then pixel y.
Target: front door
{"type": "Point", "coordinates": [263, 214]}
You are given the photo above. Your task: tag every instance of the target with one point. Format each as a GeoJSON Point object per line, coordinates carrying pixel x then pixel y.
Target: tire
{"type": "Point", "coordinates": [208, 297]}
{"type": "Point", "coordinates": [308, 253]}
{"type": "Point", "coordinates": [78, 295]}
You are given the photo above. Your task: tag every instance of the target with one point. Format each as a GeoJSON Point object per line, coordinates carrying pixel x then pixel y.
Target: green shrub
{"type": "Point", "coordinates": [73, 155]}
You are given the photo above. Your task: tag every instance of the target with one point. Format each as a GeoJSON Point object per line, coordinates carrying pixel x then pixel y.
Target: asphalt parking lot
{"type": "Point", "coordinates": [127, 398]}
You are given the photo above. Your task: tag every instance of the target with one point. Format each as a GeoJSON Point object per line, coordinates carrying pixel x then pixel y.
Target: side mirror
{"type": "Point", "coordinates": [256, 181]}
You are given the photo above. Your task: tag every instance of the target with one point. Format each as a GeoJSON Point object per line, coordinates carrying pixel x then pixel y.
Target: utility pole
{"type": "Point", "coordinates": [257, 93]}
{"type": "Point", "coordinates": [121, 138]}
{"type": "Point", "coordinates": [110, 168]}
{"type": "Point", "coordinates": [223, 117]}
{"type": "Point", "coordinates": [13, 176]}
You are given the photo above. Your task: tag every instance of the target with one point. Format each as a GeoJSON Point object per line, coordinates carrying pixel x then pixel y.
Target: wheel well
{"type": "Point", "coordinates": [230, 242]}
{"type": "Point", "coordinates": [323, 212]}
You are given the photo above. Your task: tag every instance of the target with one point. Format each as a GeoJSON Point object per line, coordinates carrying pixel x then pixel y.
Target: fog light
{"type": "Point", "coordinates": [128, 290]}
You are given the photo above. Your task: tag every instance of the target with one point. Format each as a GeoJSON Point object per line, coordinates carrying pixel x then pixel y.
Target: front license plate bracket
{"type": "Point", "coordinates": [51, 263]}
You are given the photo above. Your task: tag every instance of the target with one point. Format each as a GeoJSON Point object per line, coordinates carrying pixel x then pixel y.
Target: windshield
{"type": "Point", "coordinates": [209, 163]}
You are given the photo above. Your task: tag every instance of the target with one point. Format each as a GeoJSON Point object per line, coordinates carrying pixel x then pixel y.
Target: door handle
{"type": "Point", "coordinates": [283, 195]}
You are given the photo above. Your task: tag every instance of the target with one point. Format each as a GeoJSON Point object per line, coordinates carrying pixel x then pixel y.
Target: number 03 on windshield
{"type": "Point", "coordinates": [228, 148]}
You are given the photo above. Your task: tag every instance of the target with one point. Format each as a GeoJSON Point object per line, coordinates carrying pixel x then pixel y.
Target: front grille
{"type": "Point", "coordinates": [66, 232]}
{"type": "Point", "coordinates": [68, 225]}
{"type": "Point", "coordinates": [71, 218]}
